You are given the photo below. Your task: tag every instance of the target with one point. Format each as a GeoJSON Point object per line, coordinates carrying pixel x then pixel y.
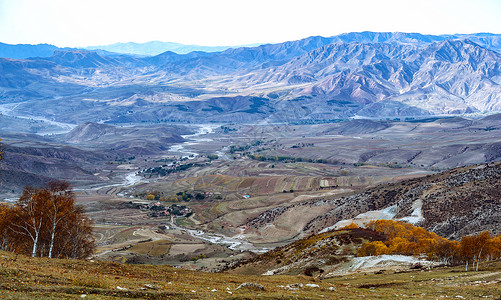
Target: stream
{"type": "Point", "coordinates": [193, 139]}
{"type": "Point", "coordinates": [236, 242]}
{"type": "Point", "coordinates": [133, 178]}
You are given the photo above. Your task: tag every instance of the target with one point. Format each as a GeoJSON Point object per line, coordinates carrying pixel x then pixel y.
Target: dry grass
{"type": "Point", "coordinates": [27, 278]}
{"type": "Point", "coordinates": [153, 248]}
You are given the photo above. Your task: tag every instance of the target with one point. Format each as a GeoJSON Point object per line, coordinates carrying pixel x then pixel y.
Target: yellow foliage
{"type": "Point", "coordinates": [400, 245]}
{"type": "Point", "coordinates": [373, 249]}
{"type": "Point", "coordinates": [404, 238]}
{"type": "Point", "coordinates": [350, 226]}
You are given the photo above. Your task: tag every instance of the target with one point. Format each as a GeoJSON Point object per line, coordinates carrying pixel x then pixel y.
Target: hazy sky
{"type": "Point", "coordinates": [233, 22]}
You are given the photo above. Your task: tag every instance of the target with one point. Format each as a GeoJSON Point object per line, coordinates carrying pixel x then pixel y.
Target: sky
{"type": "Point", "coordinates": [78, 23]}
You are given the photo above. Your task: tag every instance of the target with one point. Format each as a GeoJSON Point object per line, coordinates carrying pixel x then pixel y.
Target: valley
{"type": "Point", "coordinates": [248, 160]}
{"type": "Point", "coordinates": [247, 187]}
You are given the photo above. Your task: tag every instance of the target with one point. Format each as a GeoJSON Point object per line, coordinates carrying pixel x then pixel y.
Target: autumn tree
{"type": "Point", "coordinates": [373, 249]}
{"type": "Point", "coordinates": [476, 248]}
{"type": "Point", "coordinates": [405, 238]}
{"type": "Point", "coordinates": [447, 251]}
{"type": "Point", "coordinates": [350, 226]}
{"type": "Point", "coordinates": [495, 247]}
{"type": "Point", "coordinates": [46, 222]}
{"type": "Point", "coordinates": [30, 216]}
{"type": "Point", "coordinates": [6, 239]}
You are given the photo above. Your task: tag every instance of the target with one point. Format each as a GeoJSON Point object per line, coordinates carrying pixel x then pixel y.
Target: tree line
{"type": "Point", "coordinates": [407, 239]}
{"type": "Point", "coordinates": [45, 222]}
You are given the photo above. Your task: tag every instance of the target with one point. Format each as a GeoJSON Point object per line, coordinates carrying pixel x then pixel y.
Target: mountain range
{"type": "Point", "coordinates": [157, 47]}
{"type": "Point", "coordinates": [310, 80]}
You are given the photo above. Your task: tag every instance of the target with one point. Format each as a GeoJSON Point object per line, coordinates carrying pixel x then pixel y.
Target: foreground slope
{"type": "Point", "coordinates": [24, 277]}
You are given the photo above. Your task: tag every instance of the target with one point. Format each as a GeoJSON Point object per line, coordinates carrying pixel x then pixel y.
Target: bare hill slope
{"type": "Point", "coordinates": [458, 202]}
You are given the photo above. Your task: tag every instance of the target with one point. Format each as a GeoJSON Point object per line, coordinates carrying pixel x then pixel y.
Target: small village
{"type": "Point", "coordinates": [157, 209]}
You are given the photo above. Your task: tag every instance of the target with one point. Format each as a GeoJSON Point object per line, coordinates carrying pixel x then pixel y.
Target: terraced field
{"type": "Point", "coordinates": [257, 168]}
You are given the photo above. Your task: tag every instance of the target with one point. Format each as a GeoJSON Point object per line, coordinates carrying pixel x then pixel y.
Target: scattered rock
{"type": "Point", "coordinates": [121, 288]}
{"type": "Point", "coordinates": [312, 285]}
{"type": "Point", "coordinates": [251, 285]}
{"type": "Point", "coordinates": [150, 286]}
{"type": "Point", "coordinates": [294, 286]}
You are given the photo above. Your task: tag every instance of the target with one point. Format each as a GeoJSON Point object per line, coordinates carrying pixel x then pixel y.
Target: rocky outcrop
{"type": "Point", "coordinates": [458, 202]}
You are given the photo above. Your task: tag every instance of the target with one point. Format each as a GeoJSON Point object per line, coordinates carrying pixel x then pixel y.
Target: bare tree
{"type": "Point", "coordinates": [30, 215]}
{"type": "Point", "coordinates": [62, 199]}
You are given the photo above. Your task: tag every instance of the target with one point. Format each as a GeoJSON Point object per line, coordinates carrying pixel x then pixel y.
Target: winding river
{"type": "Point", "coordinates": [193, 139]}
{"type": "Point", "coordinates": [237, 242]}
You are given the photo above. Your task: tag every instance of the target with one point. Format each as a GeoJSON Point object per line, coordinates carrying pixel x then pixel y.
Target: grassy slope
{"type": "Point", "coordinates": [28, 278]}
{"type": "Point", "coordinates": [324, 251]}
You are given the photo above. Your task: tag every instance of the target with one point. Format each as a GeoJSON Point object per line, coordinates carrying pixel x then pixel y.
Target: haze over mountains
{"type": "Point", "coordinates": [313, 79]}
{"type": "Point", "coordinates": [157, 47]}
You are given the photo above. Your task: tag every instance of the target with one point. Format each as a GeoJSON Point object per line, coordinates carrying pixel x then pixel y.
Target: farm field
{"type": "Point", "coordinates": [227, 176]}
{"type": "Point", "coordinates": [235, 175]}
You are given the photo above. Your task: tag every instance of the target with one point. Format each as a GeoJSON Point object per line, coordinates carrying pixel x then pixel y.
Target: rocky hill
{"type": "Point", "coordinates": [36, 163]}
{"type": "Point", "coordinates": [458, 202]}
{"type": "Point", "coordinates": [314, 255]}
{"type": "Point", "coordinates": [152, 139]}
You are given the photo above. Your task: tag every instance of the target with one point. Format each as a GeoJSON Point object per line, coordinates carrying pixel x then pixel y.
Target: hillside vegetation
{"type": "Point", "coordinates": [332, 253]}
{"type": "Point", "coordinates": [404, 238]}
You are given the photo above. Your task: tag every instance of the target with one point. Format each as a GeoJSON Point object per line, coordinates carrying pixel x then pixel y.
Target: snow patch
{"type": "Point", "coordinates": [368, 262]}
{"type": "Point", "coordinates": [417, 213]}
{"type": "Point", "coordinates": [384, 214]}
{"type": "Point", "coordinates": [363, 218]}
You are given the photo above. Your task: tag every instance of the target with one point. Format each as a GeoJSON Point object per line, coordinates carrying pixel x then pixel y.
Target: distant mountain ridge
{"type": "Point", "coordinates": [314, 79]}
{"type": "Point", "coordinates": [156, 47]}
{"type": "Point", "coordinates": [488, 40]}
{"type": "Point", "coordinates": [22, 51]}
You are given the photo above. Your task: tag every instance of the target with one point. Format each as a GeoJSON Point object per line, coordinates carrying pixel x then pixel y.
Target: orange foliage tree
{"type": "Point", "coordinates": [45, 222]}
{"type": "Point", "coordinates": [373, 249]}
{"type": "Point", "coordinates": [407, 239]}
{"type": "Point", "coordinates": [350, 226]}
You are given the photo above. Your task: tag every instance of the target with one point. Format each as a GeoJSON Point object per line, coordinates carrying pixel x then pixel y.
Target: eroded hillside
{"type": "Point", "coordinates": [458, 202]}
